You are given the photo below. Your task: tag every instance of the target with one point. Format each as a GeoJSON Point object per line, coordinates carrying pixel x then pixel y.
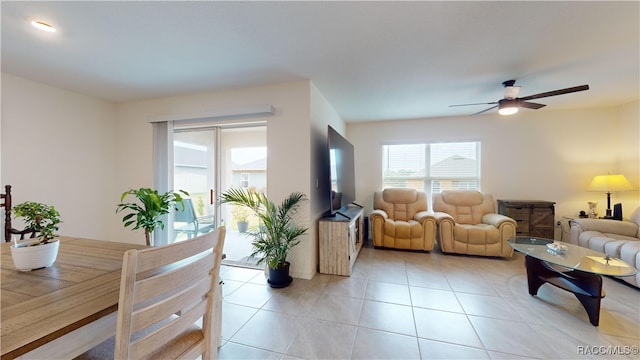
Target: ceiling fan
{"type": "Point", "coordinates": [511, 102]}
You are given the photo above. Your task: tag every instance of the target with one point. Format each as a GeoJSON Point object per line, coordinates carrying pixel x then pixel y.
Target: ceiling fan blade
{"type": "Point", "coordinates": [530, 105]}
{"type": "Point", "coordinates": [489, 103]}
{"type": "Point", "coordinates": [485, 110]}
{"type": "Point", "coordinates": [556, 92]}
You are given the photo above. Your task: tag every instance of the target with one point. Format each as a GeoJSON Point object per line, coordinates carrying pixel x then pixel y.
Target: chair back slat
{"type": "Point", "coordinates": [146, 345]}
{"type": "Point", "coordinates": [173, 280]}
{"type": "Point", "coordinates": [161, 256]}
{"type": "Point", "coordinates": [164, 291]}
{"type": "Point", "coordinates": [181, 301]}
{"type": "Point", "coordinates": [8, 228]}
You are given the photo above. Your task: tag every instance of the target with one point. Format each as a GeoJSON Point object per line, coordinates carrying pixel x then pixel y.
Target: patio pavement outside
{"type": "Point", "coordinates": [237, 247]}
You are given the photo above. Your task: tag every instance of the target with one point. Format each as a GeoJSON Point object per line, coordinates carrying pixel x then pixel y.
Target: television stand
{"type": "Point", "coordinates": [342, 214]}
{"type": "Point", "coordinates": [340, 240]}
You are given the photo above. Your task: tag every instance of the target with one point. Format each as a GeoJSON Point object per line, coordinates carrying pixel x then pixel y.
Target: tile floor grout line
{"type": "Point", "coordinates": [553, 302]}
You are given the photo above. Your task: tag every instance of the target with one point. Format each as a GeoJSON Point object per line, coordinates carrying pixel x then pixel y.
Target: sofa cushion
{"type": "Point", "coordinates": [480, 234]}
{"type": "Point", "coordinates": [400, 204]}
{"type": "Point", "coordinates": [630, 253]}
{"type": "Point", "coordinates": [466, 207]}
{"type": "Point", "coordinates": [402, 230]}
{"type": "Point", "coordinates": [404, 196]}
{"type": "Point", "coordinates": [606, 245]}
{"type": "Point", "coordinates": [613, 227]}
{"type": "Point", "coordinates": [587, 237]}
{"type": "Point", "coordinates": [620, 239]}
{"type": "Point", "coordinates": [635, 218]}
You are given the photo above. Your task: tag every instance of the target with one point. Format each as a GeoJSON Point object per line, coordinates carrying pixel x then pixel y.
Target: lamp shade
{"type": "Point", "coordinates": [610, 183]}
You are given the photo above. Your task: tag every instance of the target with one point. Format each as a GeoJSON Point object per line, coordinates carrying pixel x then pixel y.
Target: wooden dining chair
{"type": "Point", "coordinates": [167, 304]}
{"type": "Point", "coordinates": [8, 228]}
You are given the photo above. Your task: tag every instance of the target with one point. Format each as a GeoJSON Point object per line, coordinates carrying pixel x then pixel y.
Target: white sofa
{"type": "Point", "coordinates": [620, 239]}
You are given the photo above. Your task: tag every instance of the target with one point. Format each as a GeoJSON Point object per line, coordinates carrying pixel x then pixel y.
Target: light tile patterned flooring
{"type": "Point", "coordinates": [414, 305]}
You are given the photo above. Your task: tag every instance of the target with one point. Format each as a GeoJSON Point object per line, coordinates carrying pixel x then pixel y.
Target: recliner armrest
{"type": "Point", "coordinates": [497, 219]}
{"type": "Point", "coordinates": [423, 215]}
{"type": "Point", "coordinates": [442, 216]}
{"type": "Point", "coordinates": [380, 213]}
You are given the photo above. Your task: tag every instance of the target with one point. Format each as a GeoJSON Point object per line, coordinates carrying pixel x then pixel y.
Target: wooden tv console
{"type": "Point", "coordinates": [340, 241]}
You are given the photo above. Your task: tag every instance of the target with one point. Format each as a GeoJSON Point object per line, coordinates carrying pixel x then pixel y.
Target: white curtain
{"type": "Point", "coordinates": [163, 173]}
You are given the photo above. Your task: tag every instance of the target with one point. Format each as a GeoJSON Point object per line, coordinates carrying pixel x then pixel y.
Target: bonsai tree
{"type": "Point", "coordinates": [277, 233]}
{"type": "Point", "coordinates": [42, 218]}
{"type": "Point", "coordinates": [148, 214]}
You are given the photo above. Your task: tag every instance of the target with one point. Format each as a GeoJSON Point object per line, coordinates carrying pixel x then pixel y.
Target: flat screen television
{"type": "Point", "coordinates": [342, 172]}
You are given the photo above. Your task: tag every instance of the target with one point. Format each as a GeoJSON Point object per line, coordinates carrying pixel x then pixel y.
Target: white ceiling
{"type": "Point", "coordinates": [371, 60]}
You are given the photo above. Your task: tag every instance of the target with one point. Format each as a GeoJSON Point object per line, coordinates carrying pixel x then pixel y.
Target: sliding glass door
{"type": "Point", "coordinates": [244, 165]}
{"type": "Point", "coordinates": [210, 160]}
{"type": "Point", "coordinates": [194, 170]}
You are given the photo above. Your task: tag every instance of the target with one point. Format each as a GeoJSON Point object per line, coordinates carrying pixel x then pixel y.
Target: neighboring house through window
{"type": "Point", "coordinates": [432, 167]}
{"type": "Point", "coordinates": [249, 168]}
{"type": "Point", "coordinates": [244, 180]}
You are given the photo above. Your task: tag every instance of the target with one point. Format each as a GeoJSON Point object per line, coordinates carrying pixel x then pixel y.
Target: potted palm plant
{"type": "Point", "coordinates": [42, 252]}
{"type": "Point", "coordinates": [147, 214]}
{"type": "Point", "coordinates": [241, 215]}
{"type": "Point", "coordinates": [276, 235]}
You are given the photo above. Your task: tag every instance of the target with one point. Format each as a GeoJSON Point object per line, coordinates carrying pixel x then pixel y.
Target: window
{"type": "Point", "coordinates": [244, 180]}
{"type": "Point", "coordinates": [432, 167]}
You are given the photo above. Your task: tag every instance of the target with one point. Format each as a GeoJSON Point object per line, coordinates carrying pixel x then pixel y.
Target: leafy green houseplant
{"type": "Point", "coordinates": [42, 218]}
{"type": "Point", "coordinates": [148, 211]}
{"type": "Point", "coordinates": [277, 233]}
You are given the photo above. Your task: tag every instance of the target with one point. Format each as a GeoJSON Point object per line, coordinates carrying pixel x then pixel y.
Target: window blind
{"type": "Point", "coordinates": [432, 167]}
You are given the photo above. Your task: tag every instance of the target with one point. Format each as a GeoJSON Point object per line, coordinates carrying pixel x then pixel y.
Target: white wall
{"type": "Point", "coordinates": [100, 150]}
{"type": "Point", "coordinates": [288, 153]}
{"type": "Point", "coordinates": [629, 151]}
{"type": "Point", "coordinates": [58, 148]}
{"type": "Point", "coordinates": [322, 114]}
{"type": "Point", "coordinates": [535, 155]}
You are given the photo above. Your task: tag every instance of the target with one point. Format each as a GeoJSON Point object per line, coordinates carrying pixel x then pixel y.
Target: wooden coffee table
{"type": "Point", "coordinates": [577, 270]}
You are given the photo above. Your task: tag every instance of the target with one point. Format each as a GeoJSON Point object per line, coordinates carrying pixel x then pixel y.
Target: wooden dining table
{"type": "Point", "coordinates": [44, 312]}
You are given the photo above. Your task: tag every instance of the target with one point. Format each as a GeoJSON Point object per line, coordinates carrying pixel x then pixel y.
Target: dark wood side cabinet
{"type": "Point", "coordinates": [534, 217]}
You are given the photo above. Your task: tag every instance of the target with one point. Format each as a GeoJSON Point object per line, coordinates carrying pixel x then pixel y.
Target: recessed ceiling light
{"type": "Point", "coordinates": [43, 26]}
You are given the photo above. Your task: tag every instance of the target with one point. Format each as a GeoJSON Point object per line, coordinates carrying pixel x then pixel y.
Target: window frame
{"type": "Point", "coordinates": [427, 180]}
{"type": "Point", "coordinates": [244, 178]}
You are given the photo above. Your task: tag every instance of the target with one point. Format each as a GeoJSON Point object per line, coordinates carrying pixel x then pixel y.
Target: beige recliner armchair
{"type": "Point", "coordinates": [400, 220]}
{"type": "Point", "coordinates": [468, 224]}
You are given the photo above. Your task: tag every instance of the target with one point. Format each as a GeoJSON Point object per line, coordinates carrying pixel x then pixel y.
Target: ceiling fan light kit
{"type": "Point", "coordinates": [508, 107]}
{"type": "Point", "coordinates": [511, 102]}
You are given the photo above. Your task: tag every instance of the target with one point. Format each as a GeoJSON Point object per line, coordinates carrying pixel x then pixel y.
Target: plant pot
{"type": "Point", "coordinates": [279, 277]}
{"type": "Point", "coordinates": [243, 226]}
{"type": "Point", "coordinates": [34, 257]}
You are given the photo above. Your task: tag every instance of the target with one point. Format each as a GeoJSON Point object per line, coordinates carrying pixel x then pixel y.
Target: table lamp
{"type": "Point", "coordinates": [608, 184]}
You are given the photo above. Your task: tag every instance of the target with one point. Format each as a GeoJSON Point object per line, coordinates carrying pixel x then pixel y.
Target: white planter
{"type": "Point", "coordinates": [27, 257]}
